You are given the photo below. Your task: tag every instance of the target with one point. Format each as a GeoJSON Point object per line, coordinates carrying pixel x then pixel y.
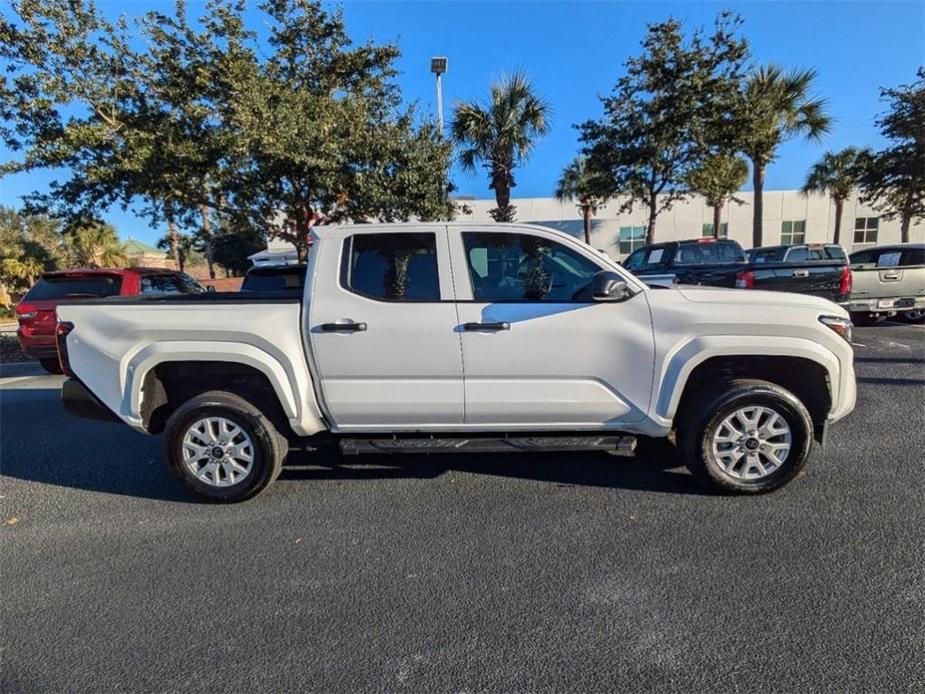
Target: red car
{"type": "Point", "coordinates": [36, 311]}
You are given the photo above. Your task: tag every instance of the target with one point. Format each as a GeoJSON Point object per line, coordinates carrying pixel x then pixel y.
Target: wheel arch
{"type": "Point", "coordinates": [804, 368]}
{"type": "Point", "coordinates": [162, 375]}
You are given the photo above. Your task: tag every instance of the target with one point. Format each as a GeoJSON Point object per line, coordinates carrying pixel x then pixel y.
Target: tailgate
{"type": "Point", "coordinates": [888, 282]}
{"type": "Point", "coordinates": [816, 279]}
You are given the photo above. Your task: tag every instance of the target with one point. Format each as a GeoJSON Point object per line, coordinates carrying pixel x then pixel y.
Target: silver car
{"type": "Point", "coordinates": [888, 280]}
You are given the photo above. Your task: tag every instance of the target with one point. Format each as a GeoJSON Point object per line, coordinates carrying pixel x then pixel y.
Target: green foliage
{"type": "Point", "coordinates": [893, 179]}
{"type": "Point", "coordinates": [186, 249]}
{"type": "Point", "coordinates": [588, 187]}
{"type": "Point", "coordinates": [231, 248]}
{"type": "Point", "coordinates": [94, 243]}
{"type": "Point", "coordinates": [666, 112]}
{"type": "Point", "coordinates": [501, 135]}
{"type": "Point", "coordinates": [774, 107]}
{"type": "Point", "coordinates": [197, 117]}
{"type": "Point", "coordinates": [718, 177]}
{"type": "Point", "coordinates": [836, 175]}
{"type": "Point", "coordinates": [29, 245]}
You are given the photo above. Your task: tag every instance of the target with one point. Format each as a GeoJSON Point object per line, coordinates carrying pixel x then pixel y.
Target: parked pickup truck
{"type": "Point", "coordinates": [888, 280]}
{"type": "Point", "coordinates": [436, 338]}
{"type": "Point", "coordinates": [814, 269]}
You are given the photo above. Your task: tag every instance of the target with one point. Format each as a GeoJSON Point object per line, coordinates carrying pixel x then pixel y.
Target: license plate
{"type": "Point", "coordinates": [885, 303]}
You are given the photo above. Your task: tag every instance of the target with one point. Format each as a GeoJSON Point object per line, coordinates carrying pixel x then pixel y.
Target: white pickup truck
{"type": "Point", "coordinates": [464, 338]}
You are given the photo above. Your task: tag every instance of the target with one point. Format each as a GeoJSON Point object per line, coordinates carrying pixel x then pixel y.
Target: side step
{"type": "Point", "coordinates": [615, 445]}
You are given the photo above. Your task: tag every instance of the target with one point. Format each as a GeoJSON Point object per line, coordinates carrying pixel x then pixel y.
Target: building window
{"type": "Point", "coordinates": [723, 230]}
{"type": "Point", "coordinates": [865, 229]}
{"type": "Point", "coordinates": [792, 232]}
{"type": "Point", "coordinates": [631, 238]}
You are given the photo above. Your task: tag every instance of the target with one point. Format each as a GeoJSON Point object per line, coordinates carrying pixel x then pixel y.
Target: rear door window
{"type": "Point", "coordinates": [800, 255]}
{"type": "Point", "coordinates": [168, 283]}
{"type": "Point", "coordinates": [95, 286]}
{"type": "Point", "coordinates": [393, 267]}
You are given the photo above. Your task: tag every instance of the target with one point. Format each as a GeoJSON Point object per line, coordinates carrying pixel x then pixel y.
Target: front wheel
{"type": "Point", "coordinates": [222, 447]}
{"type": "Point", "coordinates": [746, 437]}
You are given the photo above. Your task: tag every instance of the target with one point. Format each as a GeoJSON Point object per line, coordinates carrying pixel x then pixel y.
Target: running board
{"type": "Point", "coordinates": [615, 445]}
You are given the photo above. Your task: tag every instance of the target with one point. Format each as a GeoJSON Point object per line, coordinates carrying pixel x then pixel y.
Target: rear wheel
{"type": "Point", "coordinates": [222, 447]}
{"type": "Point", "coordinates": [51, 366]}
{"type": "Point", "coordinates": [745, 437]}
{"type": "Point", "coordinates": [916, 316]}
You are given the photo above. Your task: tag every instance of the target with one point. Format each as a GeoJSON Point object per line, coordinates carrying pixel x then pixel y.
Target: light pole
{"type": "Point", "coordinates": [438, 67]}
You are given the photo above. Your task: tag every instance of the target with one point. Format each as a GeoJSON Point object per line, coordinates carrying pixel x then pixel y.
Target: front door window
{"type": "Point", "coordinates": [520, 267]}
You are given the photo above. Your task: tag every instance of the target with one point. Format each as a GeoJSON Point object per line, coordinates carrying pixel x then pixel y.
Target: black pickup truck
{"type": "Point", "coordinates": [817, 269]}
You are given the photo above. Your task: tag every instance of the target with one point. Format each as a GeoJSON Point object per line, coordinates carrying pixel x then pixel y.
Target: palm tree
{"type": "Point", "coordinates": [95, 244]}
{"type": "Point", "coordinates": [774, 108]}
{"type": "Point", "coordinates": [501, 135]}
{"type": "Point", "coordinates": [579, 182]}
{"type": "Point", "coordinates": [717, 178]}
{"type": "Point", "coordinates": [835, 175]}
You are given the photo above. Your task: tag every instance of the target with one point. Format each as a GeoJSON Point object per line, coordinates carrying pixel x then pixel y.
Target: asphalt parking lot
{"type": "Point", "coordinates": [469, 573]}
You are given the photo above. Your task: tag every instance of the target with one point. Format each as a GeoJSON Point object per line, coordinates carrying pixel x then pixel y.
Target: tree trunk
{"type": "Point", "coordinates": [717, 216]}
{"type": "Point", "coordinates": [758, 208]}
{"type": "Point", "coordinates": [653, 213]}
{"type": "Point", "coordinates": [586, 214]}
{"type": "Point", "coordinates": [501, 183]}
{"type": "Point", "coordinates": [839, 207]}
{"type": "Point", "coordinates": [174, 237]}
{"type": "Point", "coordinates": [207, 239]}
{"type": "Point", "coordinates": [906, 218]}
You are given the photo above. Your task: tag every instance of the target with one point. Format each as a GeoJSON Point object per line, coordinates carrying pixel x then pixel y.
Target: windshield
{"type": "Point", "coordinates": [60, 287]}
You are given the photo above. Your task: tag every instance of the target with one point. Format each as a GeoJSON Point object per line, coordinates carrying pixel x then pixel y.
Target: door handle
{"type": "Point", "coordinates": [479, 327]}
{"type": "Point", "coordinates": [343, 327]}
{"type": "Point", "coordinates": [891, 275]}
{"type": "Point", "coordinates": [801, 273]}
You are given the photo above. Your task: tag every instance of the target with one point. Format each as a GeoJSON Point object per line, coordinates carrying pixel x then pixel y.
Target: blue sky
{"type": "Point", "coordinates": [574, 51]}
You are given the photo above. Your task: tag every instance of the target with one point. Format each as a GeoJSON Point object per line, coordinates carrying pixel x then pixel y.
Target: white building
{"type": "Point", "coordinates": [789, 218]}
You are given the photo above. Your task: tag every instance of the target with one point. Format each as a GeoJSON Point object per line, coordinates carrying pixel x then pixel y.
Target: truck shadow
{"type": "Point", "coordinates": [39, 442]}
{"type": "Point", "coordinates": [654, 468]}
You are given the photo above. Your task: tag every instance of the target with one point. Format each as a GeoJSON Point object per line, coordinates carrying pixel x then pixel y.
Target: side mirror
{"type": "Point", "coordinates": [609, 286]}
{"type": "Point", "coordinates": [211, 289]}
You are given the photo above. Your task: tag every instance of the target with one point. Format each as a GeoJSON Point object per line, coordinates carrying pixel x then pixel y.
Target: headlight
{"type": "Point", "coordinates": [842, 326]}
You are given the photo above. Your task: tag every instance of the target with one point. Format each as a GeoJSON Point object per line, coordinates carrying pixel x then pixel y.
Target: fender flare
{"type": "Point", "coordinates": [137, 365]}
{"type": "Point", "coordinates": [681, 362]}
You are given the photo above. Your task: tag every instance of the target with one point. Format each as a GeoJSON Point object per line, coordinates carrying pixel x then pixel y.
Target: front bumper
{"type": "Point", "coordinates": [884, 305]}
{"type": "Point", "coordinates": [80, 402]}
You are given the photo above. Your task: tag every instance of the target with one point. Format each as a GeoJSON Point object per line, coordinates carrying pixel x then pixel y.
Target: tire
{"type": "Point", "coordinates": [864, 319]}
{"type": "Point", "coordinates": [733, 471]}
{"type": "Point", "coordinates": [51, 366]}
{"type": "Point", "coordinates": [198, 426]}
{"type": "Point", "coordinates": [915, 316]}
